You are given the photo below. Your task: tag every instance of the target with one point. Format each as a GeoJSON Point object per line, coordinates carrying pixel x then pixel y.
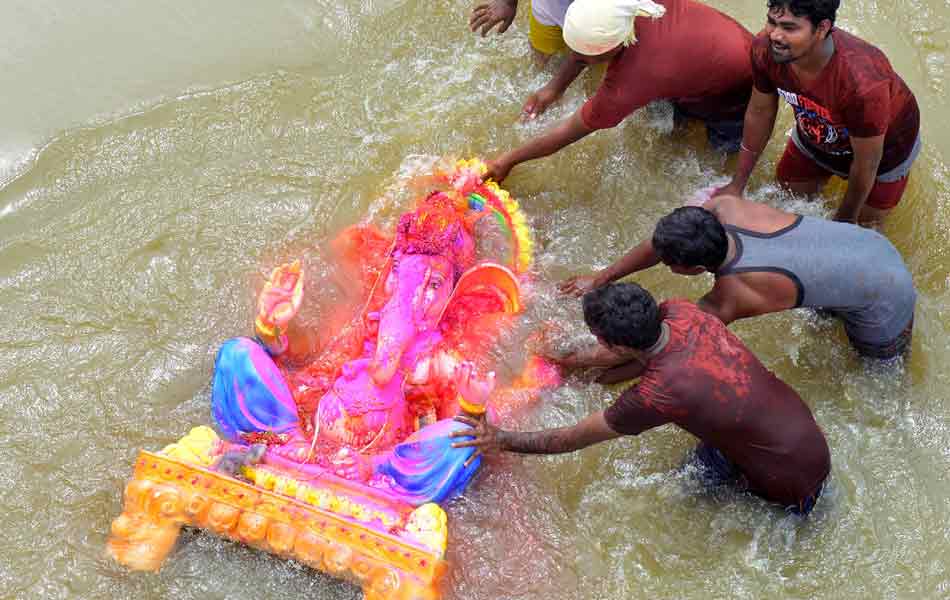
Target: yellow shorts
{"type": "Point", "coordinates": [546, 39]}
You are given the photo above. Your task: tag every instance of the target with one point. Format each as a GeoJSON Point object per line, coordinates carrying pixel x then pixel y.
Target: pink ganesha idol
{"type": "Point", "coordinates": [340, 457]}
{"type": "Point", "coordinates": [375, 405]}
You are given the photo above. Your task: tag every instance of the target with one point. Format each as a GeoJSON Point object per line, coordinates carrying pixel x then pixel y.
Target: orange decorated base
{"type": "Point", "coordinates": [401, 560]}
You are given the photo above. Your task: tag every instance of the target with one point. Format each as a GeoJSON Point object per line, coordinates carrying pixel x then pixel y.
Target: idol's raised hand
{"type": "Point", "coordinates": [280, 299]}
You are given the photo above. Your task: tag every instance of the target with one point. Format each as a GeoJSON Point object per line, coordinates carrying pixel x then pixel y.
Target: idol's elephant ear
{"type": "Point", "coordinates": [485, 288]}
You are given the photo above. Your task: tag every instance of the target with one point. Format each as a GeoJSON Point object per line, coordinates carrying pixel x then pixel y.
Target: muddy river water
{"type": "Point", "coordinates": [157, 159]}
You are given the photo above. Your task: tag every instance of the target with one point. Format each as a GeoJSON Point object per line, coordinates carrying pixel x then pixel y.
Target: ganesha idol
{"type": "Point", "coordinates": [358, 455]}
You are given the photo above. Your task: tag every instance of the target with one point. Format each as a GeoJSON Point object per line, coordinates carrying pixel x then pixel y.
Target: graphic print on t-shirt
{"type": "Point", "coordinates": [816, 126]}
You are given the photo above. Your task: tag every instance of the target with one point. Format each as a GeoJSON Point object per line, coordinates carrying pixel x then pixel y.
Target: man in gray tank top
{"type": "Point", "coordinates": [766, 260]}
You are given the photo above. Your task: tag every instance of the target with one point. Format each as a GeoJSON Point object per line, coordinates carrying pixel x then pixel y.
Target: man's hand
{"type": "Point", "coordinates": [487, 438]}
{"type": "Point", "coordinates": [730, 189]}
{"type": "Point", "coordinates": [592, 430]}
{"type": "Point", "coordinates": [538, 102]}
{"type": "Point", "coordinates": [488, 14]}
{"type": "Point", "coordinates": [498, 170]}
{"type": "Point", "coordinates": [578, 285]}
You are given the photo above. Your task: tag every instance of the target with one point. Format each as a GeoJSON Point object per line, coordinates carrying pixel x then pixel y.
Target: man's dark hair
{"type": "Point", "coordinates": [623, 314]}
{"type": "Point", "coordinates": [691, 236]}
{"type": "Point", "coordinates": [815, 11]}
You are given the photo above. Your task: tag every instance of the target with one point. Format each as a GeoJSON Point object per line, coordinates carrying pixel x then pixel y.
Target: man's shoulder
{"type": "Point", "coordinates": [864, 65]}
{"type": "Point", "coordinates": [682, 310]}
{"type": "Point", "coordinates": [676, 305]}
{"type": "Point", "coordinates": [853, 46]}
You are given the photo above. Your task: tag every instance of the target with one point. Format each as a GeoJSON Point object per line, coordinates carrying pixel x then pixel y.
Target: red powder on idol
{"type": "Point", "coordinates": [434, 229]}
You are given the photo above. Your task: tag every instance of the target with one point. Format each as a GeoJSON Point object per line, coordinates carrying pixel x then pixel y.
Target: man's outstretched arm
{"type": "Point", "coordinates": [592, 430]}
{"type": "Point", "coordinates": [539, 101]}
{"type": "Point", "coordinates": [564, 133]}
{"type": "Point", "coordinates": [640, 257]}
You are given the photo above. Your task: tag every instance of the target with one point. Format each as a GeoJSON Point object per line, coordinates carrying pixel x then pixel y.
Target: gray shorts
{"type": "Point", "coordinates": [897, 173]}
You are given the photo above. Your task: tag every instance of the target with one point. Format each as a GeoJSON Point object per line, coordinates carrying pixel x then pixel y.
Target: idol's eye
{"type": "Point", "coordinates": [435, 283]}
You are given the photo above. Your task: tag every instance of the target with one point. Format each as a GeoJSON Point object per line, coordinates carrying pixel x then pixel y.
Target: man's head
{"type": "Point", "coordinates": [796, 28]}
{"type": "Point", "coordinates": [622, 314]}
{"type": "Point", "coordinates": [690, 240]}
{"type": "Point", "coordinates": [597, 30]}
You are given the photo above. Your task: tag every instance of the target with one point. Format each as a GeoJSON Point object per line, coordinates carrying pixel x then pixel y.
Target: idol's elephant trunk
{"type": "Point", "coordinates": [419, 286]}
{"type": "Point", "coordinates": [396, 332]}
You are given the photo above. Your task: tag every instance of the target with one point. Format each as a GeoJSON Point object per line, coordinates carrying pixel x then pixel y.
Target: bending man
{"type": "Point", "coordinates": [686, 52]}
{"type": "Point", "coordinates": [766, 260]}
{"type": "Point", "coordinates": [757, 435]}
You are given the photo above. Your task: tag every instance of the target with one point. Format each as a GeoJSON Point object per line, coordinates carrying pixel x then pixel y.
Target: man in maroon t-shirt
{"type": "Point", "coordinates": [693, 55]}
{"type": "Point", "coordinates": [854, 116]}
{"type": "Point", "coordinates": [754, 430]}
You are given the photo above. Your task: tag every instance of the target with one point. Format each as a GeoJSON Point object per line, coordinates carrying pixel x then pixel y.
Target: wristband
{"type": "Point", "coordinates": [266, 330]}
{"type": "Point", "coordinates": [742, 146]}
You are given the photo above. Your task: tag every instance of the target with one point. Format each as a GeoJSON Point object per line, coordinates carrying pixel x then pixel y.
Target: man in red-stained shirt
{"type": "Point", "coordinates": [754, 430]}
{"type": "Point", "coordinates": [854, 116]}
{"type": "Point", "coordinates": [691, 54]}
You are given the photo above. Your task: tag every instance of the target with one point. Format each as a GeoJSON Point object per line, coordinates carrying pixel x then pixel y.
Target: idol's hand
{"type": "Point", "coordinates": [280, 299]}
{"type": "Point", "coordinates": [475, 389]}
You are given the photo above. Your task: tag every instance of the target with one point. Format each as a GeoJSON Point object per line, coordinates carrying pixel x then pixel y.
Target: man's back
{"type": "Point", "coordinates": [853, 271]}
{"type": "Point", "coordinates": [706, 381]}
{"type": "Point", "coordinates": [693, 54]}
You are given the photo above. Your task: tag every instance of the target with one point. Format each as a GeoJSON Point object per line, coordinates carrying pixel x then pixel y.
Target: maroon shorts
{"type": "Point", "coordinates": [796, 166]}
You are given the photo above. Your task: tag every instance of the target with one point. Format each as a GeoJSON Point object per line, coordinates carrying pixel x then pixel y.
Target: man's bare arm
{"type": "Point", "coordinates": [625, 372]}
{"type": "Point", "coordinates": [592, 430]}
{"type": "Point", "coordinates": [564, 133]}
{"type": "Point", "coordinates": [640, 257]}
{"type": "Point", "coordinates": [539, 101]}
{"type": "Point", "coordinates": [756, 131]}
{"type": "Point", "coordinates": [594, 355]}
{"type": "Point", "coordinates": [861, 177]}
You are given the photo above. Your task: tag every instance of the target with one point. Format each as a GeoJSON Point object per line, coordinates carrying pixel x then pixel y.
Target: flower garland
{"type": "Point", "coordinates": [476, 194]}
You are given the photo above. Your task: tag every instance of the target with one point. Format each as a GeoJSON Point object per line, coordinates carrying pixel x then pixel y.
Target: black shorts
{"type": "Point", "coordinates": [724, 135]}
